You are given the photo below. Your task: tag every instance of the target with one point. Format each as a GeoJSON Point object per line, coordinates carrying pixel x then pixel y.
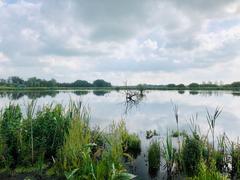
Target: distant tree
{"type": "Point", "coordinates": [33, 82]}
{"type": "Point", "coordinates": [181, 86]}
{"type": "Point", "coordinates": [81, 83]}
{"type": "Point", "coordinates": [15, 80]}
{"type": "Point", "coordinates": [171, 85]}
{"type": "Point", "coordinates": [101, 83]}
{"type": "Point", "coordinates": [235, 84]}
{"type": "Point", "coordinates": [52, 83]}
{"type": "Point", "coordinates": [193, 85]}
{"type": "Point", "coordinates": [141, 88]}
{"type": "Point", "coordinates": [3, 82]}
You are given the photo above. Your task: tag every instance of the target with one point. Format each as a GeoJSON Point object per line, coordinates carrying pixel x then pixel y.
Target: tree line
{"type": "Point", "coordinates": [16, 81]}
{"type": "Point", "coordinates": [192, 86]}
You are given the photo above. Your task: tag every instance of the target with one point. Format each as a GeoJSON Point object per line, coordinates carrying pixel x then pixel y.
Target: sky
{"type": "Point", "coordinates": [133, 41]}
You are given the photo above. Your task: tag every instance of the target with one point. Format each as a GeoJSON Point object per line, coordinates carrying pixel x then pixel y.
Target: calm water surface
{"type": "Point", "coordinates": [154, 112]}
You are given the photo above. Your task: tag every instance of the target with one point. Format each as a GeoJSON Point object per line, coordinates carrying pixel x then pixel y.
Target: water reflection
{"type": "Point", "coordinates": [14, 95]}
{"type": "Point", "coordinates": [152, 111]}
{"type": "Point", "coordinates": [236, 93]}
{"type": "Point", "coordinates": [100, 93]}
{"type": "Point", "coordinates": [206, 93]}
{"type": "Point", "coordinates": [81, 93]}
{"type": "Point", "coordinates": [181, 91]}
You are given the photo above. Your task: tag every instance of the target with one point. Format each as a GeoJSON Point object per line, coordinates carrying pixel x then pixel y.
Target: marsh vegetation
{"type": "Point", "coordinates": [57, 141]}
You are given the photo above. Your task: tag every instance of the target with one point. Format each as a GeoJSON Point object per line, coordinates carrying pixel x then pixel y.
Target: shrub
{"type": "Point", "coordinates": [154, 156]}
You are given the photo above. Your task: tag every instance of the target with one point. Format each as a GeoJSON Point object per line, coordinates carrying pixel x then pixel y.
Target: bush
{"type": "Point", "coordinates": [154, 156]}
{"type": "Point", "coordinates": [191, 155]}
{"type": "Point", "coordinates": [11, 135]}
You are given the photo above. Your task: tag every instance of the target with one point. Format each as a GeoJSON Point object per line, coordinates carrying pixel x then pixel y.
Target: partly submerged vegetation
{"type": "Point", "coordinates": [57, 142]}
{"type": "Point", "coordinates": [196, 157]}
{"type": "Point", "coordinates": [154, 156]}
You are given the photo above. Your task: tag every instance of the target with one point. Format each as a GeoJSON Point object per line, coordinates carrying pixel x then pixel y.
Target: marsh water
{"type": "Point", "coordinates": [153, 112]}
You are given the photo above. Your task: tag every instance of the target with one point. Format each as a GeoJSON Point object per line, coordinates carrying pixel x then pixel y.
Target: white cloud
{"type": "Point", "coordinates": [67, 63]}
{"type": "Point", "coordinates": [3, 58]}
{"type": "Point", "coordinates": [150, 44]}
{"type": "Point", "coordinates": [150, 41]}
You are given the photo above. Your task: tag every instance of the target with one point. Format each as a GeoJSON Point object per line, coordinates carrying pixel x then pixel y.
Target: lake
{"type": "Point", "coordinates": [153, 112]}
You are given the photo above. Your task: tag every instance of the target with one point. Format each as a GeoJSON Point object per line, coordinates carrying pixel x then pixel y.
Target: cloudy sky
{"type": "Point", "coordinates": [138, 41]}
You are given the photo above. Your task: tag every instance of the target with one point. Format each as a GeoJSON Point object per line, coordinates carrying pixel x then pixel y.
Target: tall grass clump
{"type": "Point", "coordinates": [133, 145]}
{"type": "Point", "coordinates": [154, 156]}
{"type": "Point", "coordinates": [169, 155]}
{"type": "Point", "coordinates": [75, 153]}
{"type": "Point", "coordinates": [221, 154]}
{"type": "Point", "coordinates": [45, 133]}
{"type": "Point", "coordinates": [192, 155]}
{"type": "Point", "coordinates": [208, 173]}
{"type": "Point", "coordinates": [92, 155]}
{"type": "Point", "coordinates": [235, 154]}
{"type": "Point", "coordinates": [11, 135]}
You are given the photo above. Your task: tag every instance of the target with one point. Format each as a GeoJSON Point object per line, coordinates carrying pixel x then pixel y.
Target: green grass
{"type": "Point", "coordinates": [154, 156]}
{"type": "Point", "coordinates": [192, 155]}
{"type": "Point", "coordinates": [133, 145]}
{"type": "Point", "coordinates": [58, 141]}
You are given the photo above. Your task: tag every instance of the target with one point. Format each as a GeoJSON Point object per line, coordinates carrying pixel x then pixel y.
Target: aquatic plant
{"type": "Point", "coordinates": [94, 155]}
{"type": "Point", "coordinates": [169, 155]}
{"type": "Point", "coordinates": [212, 122]}
{"type": "Point", "coordinates": [206, 173]}
{"type": "Point", "coordinates": [154, 156]}
{"type": "Point", "coordinates": [59, 141]}
{"type": "Point", "coordinates": [151, 133]}
{"type": "Point", "coordinates": [133, 145]}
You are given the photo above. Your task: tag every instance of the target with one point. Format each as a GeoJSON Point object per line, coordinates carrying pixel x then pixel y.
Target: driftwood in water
{"type": "Point", "coordinates": [133, 98]}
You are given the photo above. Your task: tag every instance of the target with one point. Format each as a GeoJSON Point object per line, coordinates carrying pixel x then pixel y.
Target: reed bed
{"type": "Point", "coordinates": [57, 142]}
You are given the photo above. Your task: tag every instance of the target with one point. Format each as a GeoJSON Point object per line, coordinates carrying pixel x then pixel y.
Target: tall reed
{"type": "Point", "coordinates": [212, 122]}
